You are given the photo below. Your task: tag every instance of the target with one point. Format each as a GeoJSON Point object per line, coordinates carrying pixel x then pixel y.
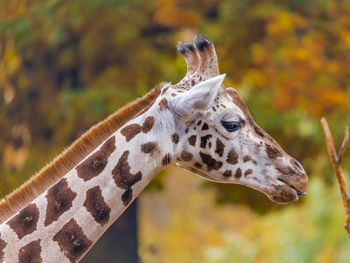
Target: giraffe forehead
{"type": "Point", "coordinates": [225, 108]}
{"type": "Point", "coordinates": [224, 103]}
{"type": "Point", "coordinates": [227, 104]}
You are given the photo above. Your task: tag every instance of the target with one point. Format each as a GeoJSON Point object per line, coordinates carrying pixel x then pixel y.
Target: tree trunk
{"type": "Point", "coordinates": [119, 243]}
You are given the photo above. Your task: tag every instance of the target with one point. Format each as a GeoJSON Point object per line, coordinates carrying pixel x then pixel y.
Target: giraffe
{"type": "Point", "coordinates": [196, 124]}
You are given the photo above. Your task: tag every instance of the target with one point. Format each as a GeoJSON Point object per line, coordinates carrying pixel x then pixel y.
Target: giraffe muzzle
{"type": "Point", "coordinates": [299, 193]}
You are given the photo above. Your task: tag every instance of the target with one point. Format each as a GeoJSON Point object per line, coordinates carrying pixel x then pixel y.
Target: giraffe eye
{"type": "Point", "coordinates": [231, 126]}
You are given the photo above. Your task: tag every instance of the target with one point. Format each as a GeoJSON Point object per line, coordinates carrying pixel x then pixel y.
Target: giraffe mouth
{"type": "Point", "coordinates": [299, 193]}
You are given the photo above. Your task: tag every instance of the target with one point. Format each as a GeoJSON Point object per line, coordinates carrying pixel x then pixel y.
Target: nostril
{"type": "Point", "coordinates": [298, 165]}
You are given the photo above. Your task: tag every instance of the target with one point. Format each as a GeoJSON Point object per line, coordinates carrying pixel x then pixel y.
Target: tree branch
{"type": "Point", "coordinates": [336, 163]}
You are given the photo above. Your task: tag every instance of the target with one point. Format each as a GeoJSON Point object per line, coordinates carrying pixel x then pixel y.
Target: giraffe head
{"type": "Point", "coordinates": [216, 137]}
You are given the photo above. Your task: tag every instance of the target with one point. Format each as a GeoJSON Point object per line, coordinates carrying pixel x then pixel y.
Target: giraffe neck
{"type": "Point", "coordinates": [65, 221]}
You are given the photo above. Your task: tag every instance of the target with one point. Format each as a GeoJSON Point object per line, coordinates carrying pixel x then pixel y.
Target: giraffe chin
{"type": "Point", "coordinates": [284, 193]}
{"type": "Point", "coordinates": [281, 193]}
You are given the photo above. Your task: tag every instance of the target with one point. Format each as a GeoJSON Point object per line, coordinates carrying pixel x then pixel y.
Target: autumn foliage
{"type": "Point", "coordinates": [65, 65]}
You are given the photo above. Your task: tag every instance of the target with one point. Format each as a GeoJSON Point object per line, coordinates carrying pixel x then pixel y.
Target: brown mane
{"type": "Point", "coordinates": [70, 157]}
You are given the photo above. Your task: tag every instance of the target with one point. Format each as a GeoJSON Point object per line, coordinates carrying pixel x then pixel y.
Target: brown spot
{"type": "Point", "coordinates": [59, 200]}
{"type": "Point", "coordinates": [2, 246]}
{"type": "Point", "coordinates": [223, 105]}
{"type": "Point", "coordinates": [272, 152]}
{"type": "Point", "coordinates": [175, 138]}
{"type": "Point", "coordinates": [199, 122]}
{"type": "Point", "coordinates": [97, 162]}
{"type": "Point", "coordinates": [25, 221]}
{"type": "Point", "coordinates": [30, 253]}
{"type": "Point", "coordinates": [205, 127]}
{"type": "Point", "coordinates": [192, 140]}
{"type": "Point", "coordinates": [211, 163]}
{"type": "Point", "coordinates": [164, 90]}
{"type": "Point", "coordinates": [232, 157]}
{"type": "Point", "coordinates": [72, 241]}
{"type": "Point", "coordinates": [197, 165]}
{"type": "Point", "coordinates": [166, 159]}
{"type": "Point", "coordinates": [186, 156]}
{"type": "Point", "coordinates": [123, 178]}
{"type": "Point", "coordinates": [200, 78]}
{"type": "Point", "coordinates": [259, 131]}
{"type": "Point", "coordinates": [149, 147]}
{"type": "Point", "coordinates": [204, 140]}
{"type": "Point", "coordinates": [227, 173]}
{"type": "Point", "coordinates": [173, 95]}
{"type": "Point", "coordinates": [127, 196]}
{"type": "Point", "coordinates": [186, 131]}
{"type": "Point", "coordinates": [148, 124]}
{"type": "Point", "coordinates": [132, 130]}
{"type": "Point", "coordinates": [238, 173]}
{"type": "Point", "coordinates": [248, 172]}
{"type": "Point", "coordinates": [246, 158]}
{"type": "Point", "coordinates": [193, 82]}
{"type": "Point", "coordinates": [219, 147]}
{"type": "Point", "coordinates": [96, 205]}
{"type": "Point", "coordinates": [163, 104]}
{"type": "Point", "coordinates": [213, 108]}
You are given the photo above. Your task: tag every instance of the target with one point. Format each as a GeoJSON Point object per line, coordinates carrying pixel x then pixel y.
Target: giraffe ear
{"type": "Point", "coordinates": [198, 98]}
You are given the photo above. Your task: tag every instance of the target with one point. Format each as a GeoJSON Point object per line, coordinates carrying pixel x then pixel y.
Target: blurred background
{"type": "Point", "coordinates": [65, 65]}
